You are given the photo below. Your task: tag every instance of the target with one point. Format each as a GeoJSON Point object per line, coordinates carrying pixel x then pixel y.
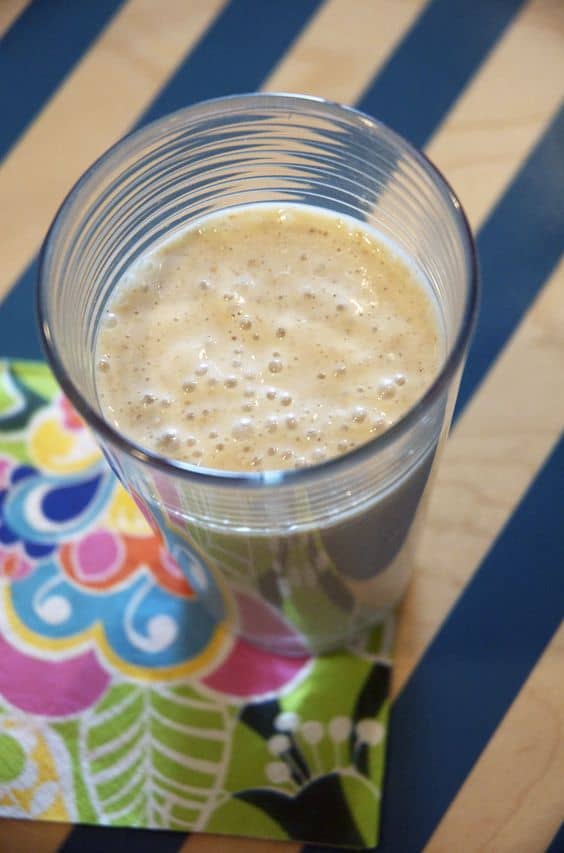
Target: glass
{"type": "Point", "coordinates": [293, 560]}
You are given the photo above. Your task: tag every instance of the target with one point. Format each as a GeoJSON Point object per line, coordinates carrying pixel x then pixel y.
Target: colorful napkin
{"type": "Point", "coordinates": [113, 711]}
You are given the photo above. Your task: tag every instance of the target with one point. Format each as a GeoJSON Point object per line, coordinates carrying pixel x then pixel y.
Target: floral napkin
{"type": "Point", "coordinates": [118, 705]}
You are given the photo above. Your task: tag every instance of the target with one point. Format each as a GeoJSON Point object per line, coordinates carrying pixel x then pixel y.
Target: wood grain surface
{"type": "Point", "coordinates": [513, 798]}
{"type": "Point", "coordinates": [9, 11]}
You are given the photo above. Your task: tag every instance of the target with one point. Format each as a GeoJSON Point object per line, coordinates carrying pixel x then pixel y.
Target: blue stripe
{"type": "Point", "coordinates": [452, 703]}
{"type": "Point", "coordinates": [231, 57]}
{"type": "Point", "coordinates": [38, 51]}
{"type": "Point", "coordinates": [420, 82]}
{"type": "Point", "coordinates": [474, 668]}
{"type": "Point", "coordinates": [518, 247]}
{"type": "Point", "coordinates": [93, 839]}
{"type": "Point", "coordinates": [246, 42]}
{"type": "Point", "coordinates": [557, 843]}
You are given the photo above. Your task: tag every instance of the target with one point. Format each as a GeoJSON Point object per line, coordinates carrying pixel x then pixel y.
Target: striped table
{"type": "Point", "coordinates": [479, 85]}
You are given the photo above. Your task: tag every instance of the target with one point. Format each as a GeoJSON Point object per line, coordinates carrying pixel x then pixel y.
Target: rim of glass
{"type": "Point", "coordinates": [260, 479]}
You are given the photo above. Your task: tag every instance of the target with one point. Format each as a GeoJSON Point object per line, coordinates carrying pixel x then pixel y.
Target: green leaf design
{"type": "Point", "coordinates": [6, 397]}
{"type": "Point", "coordinates": [330, 690]}
{"type": "Point", "coordinates": [320, 810]}
{"type": "Point", "coordinates": [363, 801]}
{"type": "Point", "coordinates": [156, 758]}
{"type": "Point", "coordinates": [25, 387]}
{"type": "Point", "coordinates": [239, 818]}
{"type": "Point", "coordinates": [18, 398]}
{"type": "Point", "coordinates": [36, 376]}
{"type": "Point", "coordinates": [238, 557]}
{"type": "Point", "coordinates": [329, 693]}
{"type": "Point", "coordinates": [371, 713]}
{"type": "Point", "coordinates": [13, 758]}
{"type": "Point", "coordinates": [15, 449]}
{"type": "Point", "coordinates": [377, 755]}
{"type": "Point", "coordinates": [249, 773]}
{"type": "Point", "coordinates": [68, 731]}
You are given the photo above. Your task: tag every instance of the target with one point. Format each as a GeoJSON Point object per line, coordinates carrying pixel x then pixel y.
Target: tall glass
{"type": "Point", "coordinates": [291, 560]}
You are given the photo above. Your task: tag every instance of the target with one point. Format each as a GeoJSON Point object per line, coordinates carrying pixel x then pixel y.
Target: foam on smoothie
{"type": "Point", "coordinates": [265, 338]}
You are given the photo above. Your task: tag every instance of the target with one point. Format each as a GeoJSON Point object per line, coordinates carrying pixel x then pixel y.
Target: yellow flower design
{"type": "Point", "coordinates": [123, 515]}
{"type": "Point", "coordinates": [34, 771]}
{"type": "Point", "coordinates": [55, 449]}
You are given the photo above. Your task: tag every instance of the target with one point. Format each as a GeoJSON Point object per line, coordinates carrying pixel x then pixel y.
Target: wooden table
{"type": "Point", "coordinates": [479, 86]}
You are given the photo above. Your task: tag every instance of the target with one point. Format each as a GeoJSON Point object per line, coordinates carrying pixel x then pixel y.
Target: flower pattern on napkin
{"type": "Point", "coordinates": [121, 701]}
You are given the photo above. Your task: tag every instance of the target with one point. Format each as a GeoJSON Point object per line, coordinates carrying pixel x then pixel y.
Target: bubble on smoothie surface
{"type": "Point", "coordinates": [265, 337]}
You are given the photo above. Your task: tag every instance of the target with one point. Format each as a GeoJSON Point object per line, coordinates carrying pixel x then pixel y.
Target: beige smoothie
{"type": "Point", "coordinates": [266, 338]}
{"type": "Point", "coordinates": [271, 338]}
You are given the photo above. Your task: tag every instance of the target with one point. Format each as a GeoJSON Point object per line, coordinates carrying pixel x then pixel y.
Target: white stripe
{"type": "Point", "coordinates": [197, 704]}
{"type": "Point", "coordinates": [174, 799]}
{"type": "Point", "coordinates": [200, 764]}
{"type": "Point", "coordinates": [202, 734]}
{"type": "Point", "coordinates": [121, 740]}
{"type": "Point", "coordinates": [124, 764]}
{"type": "Point", "coordinates": [337, 54]}
{"type": "Point", "coordinates": [500, 115]}
{"type": "Point", "coordinates": [189, 789]}
{"type": "Point", "coordinates": [130, 806]}
{"type": "Point", "coordinates": [112, 712]}
{"type": "Point", "coordinates": [133, 782]}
